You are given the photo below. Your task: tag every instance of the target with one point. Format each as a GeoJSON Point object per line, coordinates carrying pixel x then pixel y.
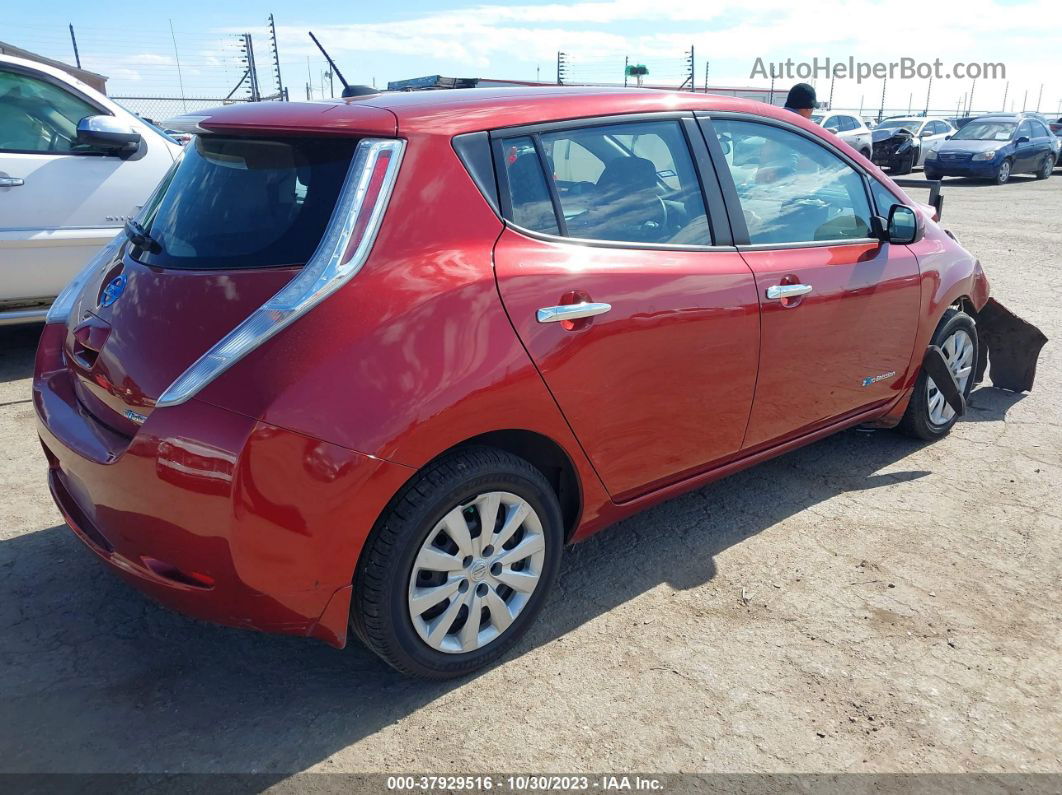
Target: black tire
{"type": "Point", "coordinates": [933, 175]}
{"type": "Point", "coordinates": [867, 153]}
{"type": "Point", "coordinates": [1003, 174]}
{"type": "Point", "coordinates": [904, 166]}
{"type": "Point", "coordinates": [379, 607]}
{"type": "Point", "coordinates": [916, 421]}
{"type": "Point", "coordinates": [1047, 166]}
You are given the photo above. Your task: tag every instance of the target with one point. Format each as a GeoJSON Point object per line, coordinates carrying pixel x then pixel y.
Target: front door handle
{"type": "Point", "coordinates": [11, 182]}
{"type": "Point", "coordinates": [555, 314]}
{"type": "Point", "coordinates": [781, 291]}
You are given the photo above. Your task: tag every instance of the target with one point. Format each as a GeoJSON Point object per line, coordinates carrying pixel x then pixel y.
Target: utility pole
{"type": "Point", "coordinates": [626, 65]}
{"type": "Point", "coordinates": [562, 68]}
{"type": "Point", "coordinates": [1024, 100]}
{"type": "Point", "coordinates": [829, 102]}
{"type": "Point", "coordinates": [176, 57]}
{"type": "Point", "coordinates": [705, 75]}
{"type": "Point", "coordinates": [1006, 88]}
{"type": "Point", "coordinates": [309, 80]}
{"type": "Point", "coordinates": [770, 99]}
{"type": "Point", "coordinates": [73, 40]}
{"type": "Point", "coordinates": [861, 97]}
{"type": "Point", "coordinates": [1040, 97]}
{"type": "Point", "coordinates": [881, 113]}
{"type": "Point", "coordinates": [928, 89]}
{"type": "Point", "coordinates": [969, 106]}
{"type": "Point", "coordinates": [276, 58]}
{"type": "Point", "coordinates": [910, 100]}
{"type": "Point", "coordinates": [247, 48]}
{"type": "Point", "coordinates": [689, 71]}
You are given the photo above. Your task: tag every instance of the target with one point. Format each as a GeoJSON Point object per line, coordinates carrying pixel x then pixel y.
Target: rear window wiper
{"type": "Point", "coordinates": [140, 237]}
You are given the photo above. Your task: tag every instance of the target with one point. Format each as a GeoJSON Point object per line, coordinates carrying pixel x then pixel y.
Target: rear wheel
{"type": "Point", "coordinates": [459, 565]}
{"type": "Point", "coordinates": [1003, 172]}
{"type": "Point", "coordinates": [1047, 165]}
{"type": "Point", "coordinates": [928, 415]}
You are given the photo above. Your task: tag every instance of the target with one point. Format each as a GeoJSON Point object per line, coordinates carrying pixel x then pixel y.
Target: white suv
{"type": "Point", "coordinates": [849, 128]}
{"type": "Point", "coordinates": [73, 166]}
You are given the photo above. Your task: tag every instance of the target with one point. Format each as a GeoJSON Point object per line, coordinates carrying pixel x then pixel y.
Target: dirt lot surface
{"type": "Point", "coordinates": [868, 603]}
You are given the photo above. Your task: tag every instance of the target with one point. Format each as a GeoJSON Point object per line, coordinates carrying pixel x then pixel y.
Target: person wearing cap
{"type": "Point", "coordinates": [801, 100]}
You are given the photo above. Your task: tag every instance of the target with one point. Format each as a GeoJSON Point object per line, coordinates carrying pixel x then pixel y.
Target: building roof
{"type": "Point", "coordinates": [97, 81]}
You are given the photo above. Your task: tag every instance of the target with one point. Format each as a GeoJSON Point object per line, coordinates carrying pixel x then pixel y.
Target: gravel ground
{"type": "Point", "coordinates": [868, 603]}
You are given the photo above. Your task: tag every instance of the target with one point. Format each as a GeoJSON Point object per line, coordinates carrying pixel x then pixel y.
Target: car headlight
{"type": "Point", "coordinates": [931, 154]}
{"type": "Point", "coordinates": [989, 155]}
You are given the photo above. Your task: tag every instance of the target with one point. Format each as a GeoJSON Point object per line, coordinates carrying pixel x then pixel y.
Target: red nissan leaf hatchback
{"type": "Point", "coordinates": [372, 364]}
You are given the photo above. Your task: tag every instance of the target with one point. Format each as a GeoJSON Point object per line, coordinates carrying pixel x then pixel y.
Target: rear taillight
{"type": "Point", "coordinates": [345, 246]}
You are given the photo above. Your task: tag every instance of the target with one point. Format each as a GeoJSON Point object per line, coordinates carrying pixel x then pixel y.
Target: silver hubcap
{"type": "Point", "coordinates": [475, 572]}
{"type": "Point", "coordinates": [1004, 172]}
{"type": "Point", "coordinates": [1048, 167]}
{"type": "Point", "coordinates": [958, 350]}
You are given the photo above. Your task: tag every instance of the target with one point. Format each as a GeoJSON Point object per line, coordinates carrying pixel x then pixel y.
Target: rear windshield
{"type": "Point", "coordinates": [246, 202]}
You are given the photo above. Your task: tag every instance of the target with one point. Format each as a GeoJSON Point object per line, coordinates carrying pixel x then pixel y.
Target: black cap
{"type": "Point", "coordinates": [801, 96]}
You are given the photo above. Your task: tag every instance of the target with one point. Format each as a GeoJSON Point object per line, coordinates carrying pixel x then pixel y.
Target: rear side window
{"type": "Point", "coordinates": [247, 202]}
{"type": "Point", "coordinates": [632, 183]}
{"type": "Point", "coordinates": [792, 190]}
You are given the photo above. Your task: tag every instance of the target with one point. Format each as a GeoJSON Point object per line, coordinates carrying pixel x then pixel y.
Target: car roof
{"type": "Point", "coordinates": [455, 111]}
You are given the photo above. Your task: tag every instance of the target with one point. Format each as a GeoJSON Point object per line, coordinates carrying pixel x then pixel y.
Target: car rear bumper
{"type": "Point", "coordinates": [213, 513]}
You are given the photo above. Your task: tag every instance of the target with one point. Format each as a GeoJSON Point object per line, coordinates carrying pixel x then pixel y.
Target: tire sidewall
{"type": "Point", "coordinates": [917, 420]}
{"type": "Point", "coordinates": [398, 626]}
{"type": "Point", "coordinates": [1000, 178]}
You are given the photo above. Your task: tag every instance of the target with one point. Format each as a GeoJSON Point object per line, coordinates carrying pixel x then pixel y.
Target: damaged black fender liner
{"type": "Point", "coordinates": [936, 367]}
{"type": "Point", "coordinates": [1009, 348]}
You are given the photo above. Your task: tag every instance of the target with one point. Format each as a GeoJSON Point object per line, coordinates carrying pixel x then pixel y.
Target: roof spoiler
{"type": "Point", "coordinates": [936, 201]}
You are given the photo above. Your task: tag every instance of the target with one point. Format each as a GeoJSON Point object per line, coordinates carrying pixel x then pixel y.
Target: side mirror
{"type": "Point", "coordinates": [903, 225]}
{"type": "Point", "coordinates": [1022, 139]}
{"type": "Point", "coordinates": [107, 133]}
{"type": "Point", "coordinates": [947, 137]}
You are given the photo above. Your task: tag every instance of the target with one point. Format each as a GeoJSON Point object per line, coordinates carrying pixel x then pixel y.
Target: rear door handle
{"type": "Point", "coordinates": [554, 314]}
{"type": "Point", "coordinates": [11, 182]}
{"type": "Point", "coordinates": [780, 291]}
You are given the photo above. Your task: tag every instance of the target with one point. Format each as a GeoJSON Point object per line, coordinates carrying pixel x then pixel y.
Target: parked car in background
{"type": "Point", "coordinates": [995, 147]}
{"type": "Point", "coordinates": [848, 128]}
{"type": "Point", "coordinates": [73, 167]}
{"type": "Point", "coordinates": [901, 144]}
{"type": "Point", "coordinates": [870, 122]}
{"type": "Point", "coordinates": [372, 364]}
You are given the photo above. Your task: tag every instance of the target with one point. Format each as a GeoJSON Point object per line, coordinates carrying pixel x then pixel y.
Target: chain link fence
{"type": "Point", "coordinates": [161, 109]}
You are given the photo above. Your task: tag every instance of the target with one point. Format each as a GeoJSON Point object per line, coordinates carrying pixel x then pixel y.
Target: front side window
{"type": "Point", "coordinates": [1025, 129]}
{"type": "Point", "coordinates": [632, 182]}
{"type": "Point", "coordinates": [37, 116]}
{"type": "Point", "coordinates": [792, 190]}
{"type": "Point", "coordinates": [246, 202]}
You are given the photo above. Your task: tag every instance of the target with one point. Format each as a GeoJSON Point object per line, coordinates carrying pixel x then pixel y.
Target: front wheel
{"type": "Point", "coordinates": [1047, 165]}
{"type": "Point", "coordinates": [1003, 173]}
{"type": "Point", "coordinates": [459, 565]}
{"type": "Point", "coordinates": [928, 415]}
{"type": "Point", "coordinates": [904, 166]}
{"type": "Point", "coordinates": [933, 174]}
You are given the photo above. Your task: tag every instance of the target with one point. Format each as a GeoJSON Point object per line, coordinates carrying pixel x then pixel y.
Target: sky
{"type": "Point", "coordinates": [134, 45]}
